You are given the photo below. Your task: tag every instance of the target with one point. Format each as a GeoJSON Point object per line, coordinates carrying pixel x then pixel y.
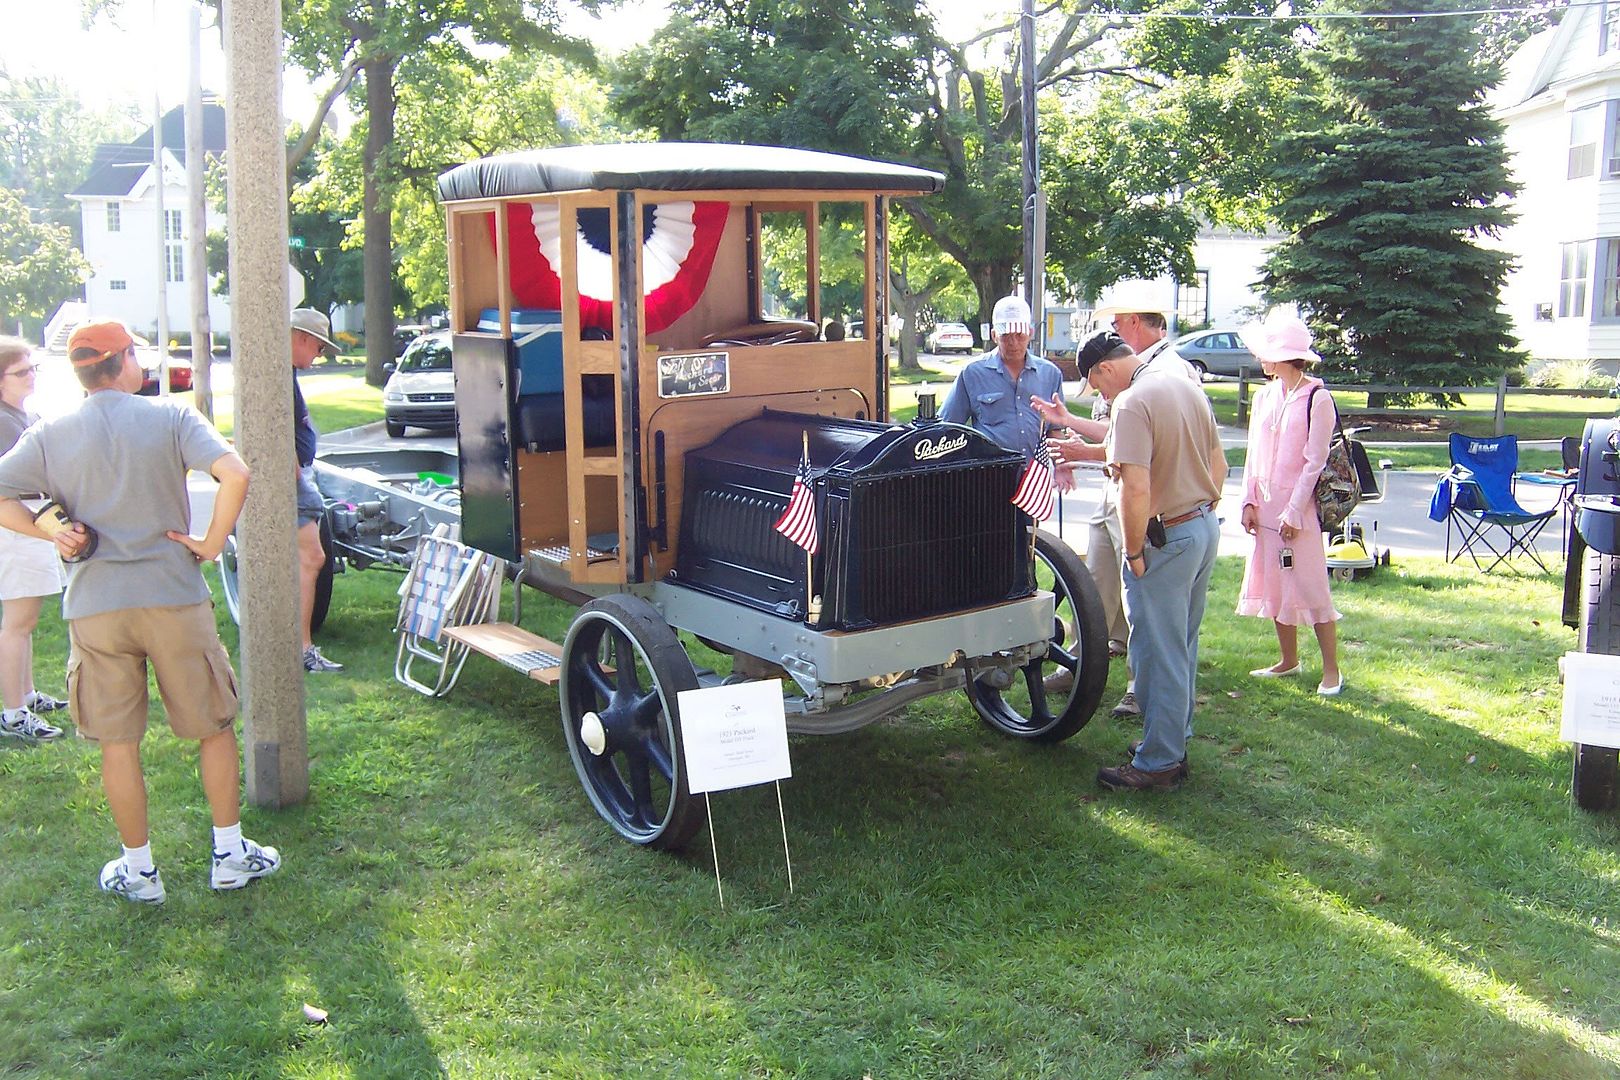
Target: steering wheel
{"type": "Point", "coordinates": [770, 332]}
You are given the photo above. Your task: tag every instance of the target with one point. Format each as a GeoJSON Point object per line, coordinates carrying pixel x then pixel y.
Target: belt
{"type": "Point", "coordinates": [1188, 516]}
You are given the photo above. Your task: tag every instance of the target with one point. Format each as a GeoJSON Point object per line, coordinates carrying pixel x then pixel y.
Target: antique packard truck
{"type": "Point", "coordinates": [642, 373]}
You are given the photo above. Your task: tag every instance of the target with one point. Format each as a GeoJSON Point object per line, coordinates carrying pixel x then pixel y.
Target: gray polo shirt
{"type": "Point", "coordinates": [118, 463]}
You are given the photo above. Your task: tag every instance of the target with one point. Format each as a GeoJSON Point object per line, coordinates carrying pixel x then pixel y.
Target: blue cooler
{"type": "Point", "coordinates": [538, 336]}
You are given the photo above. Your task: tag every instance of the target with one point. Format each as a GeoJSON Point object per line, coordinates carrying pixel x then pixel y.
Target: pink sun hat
{"type": "Point", "coordinates": [1280, 338]}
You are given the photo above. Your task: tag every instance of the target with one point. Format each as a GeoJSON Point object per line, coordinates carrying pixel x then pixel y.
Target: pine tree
{"type": "Point", "coordinates": [1387, 198]}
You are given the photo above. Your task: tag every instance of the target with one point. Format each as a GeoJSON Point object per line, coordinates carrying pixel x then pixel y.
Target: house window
{"type": "Point", "coordinates": [117, 285]}
{"type": "Point", "coordinates": [1585, 128]}
{"type": "Point", "coordinates": [1192, 300]}
{"type": "Point", "coordinates": [172, 227]}
{"type": "Point", "coordinates": [1609, 40]}
{"type": "Point", "coordinates": [1572, 275]}
{"type": "Point", "coordinates": [174, 262]}
{"type": "Point", "coordinates": [1606, 299]}
{"type": "Point", "coordinates": [113, 217]}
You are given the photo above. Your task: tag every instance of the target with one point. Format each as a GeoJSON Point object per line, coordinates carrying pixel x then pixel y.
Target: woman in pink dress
{"type": "Point", "coordinates": [1286, 579]}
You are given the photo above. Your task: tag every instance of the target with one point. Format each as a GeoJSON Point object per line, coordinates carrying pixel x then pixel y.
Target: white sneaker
{"type": "Point", "coordinates": [39, 702]}
{"type": "Point", "coordinates": [232, 870]}
{"type": "Point", "coordinates": [140, 888]}
{"type": "Point", "coordinates": [316, 663]}
{"type": "Point", "coordinates": [23, 724]}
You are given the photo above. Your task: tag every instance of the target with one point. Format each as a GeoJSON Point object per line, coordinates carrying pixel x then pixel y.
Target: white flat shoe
{"type": "Point", "coordinates": [1269, 673]}
{"type": "Point", "coordinates": [1330, 691]}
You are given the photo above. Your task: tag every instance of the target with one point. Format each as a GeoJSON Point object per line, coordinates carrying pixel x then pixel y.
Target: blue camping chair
{"type": "Point", "coordinates": [1476, 498]}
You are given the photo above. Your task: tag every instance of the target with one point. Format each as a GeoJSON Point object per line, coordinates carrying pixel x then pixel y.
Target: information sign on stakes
{"type": "Point", "coordinates": [1591, 699]}
{"type": "Point", "coordinates": [736, 736]}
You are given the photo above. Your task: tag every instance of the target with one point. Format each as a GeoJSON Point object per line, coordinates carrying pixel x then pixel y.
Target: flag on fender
{"type": "Point", "coordinates": [1035, 488]}
{"type": "Point", "coordinates": [798, 521]}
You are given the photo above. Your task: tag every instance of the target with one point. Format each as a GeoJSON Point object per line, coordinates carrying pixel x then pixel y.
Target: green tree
{"type": "Point", "coordinates": [1388, 194]}
{"type": "Point", "coordinates": [388, 46]}
{"type": "Point", "coordinates": [48, 142]}
{"type": "Point", "coordinates": [39, 266]}
{"type": "Point", "coordinates": [802, 75]}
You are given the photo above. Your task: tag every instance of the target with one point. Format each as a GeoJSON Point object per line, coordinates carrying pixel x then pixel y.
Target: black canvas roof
{"type": "Point", "coordinates": [118, 166]}
{"type": "Point", "coordinates": [676, 167]}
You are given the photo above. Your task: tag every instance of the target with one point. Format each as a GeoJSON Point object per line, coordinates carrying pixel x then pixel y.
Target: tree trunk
{"type": "Point", "coordinates": [377, 216]}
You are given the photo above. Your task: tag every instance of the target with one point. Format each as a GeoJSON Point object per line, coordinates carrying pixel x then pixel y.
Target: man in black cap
{"type": "Point", "coordinates": [1164, 452]}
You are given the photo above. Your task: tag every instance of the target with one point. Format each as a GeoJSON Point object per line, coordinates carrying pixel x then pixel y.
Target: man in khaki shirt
{"type": "Point", "coordinates": [1165, 450]}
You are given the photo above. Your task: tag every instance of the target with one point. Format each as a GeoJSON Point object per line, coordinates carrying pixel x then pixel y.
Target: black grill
{"type": "Point", "coordinates": [914, 521]}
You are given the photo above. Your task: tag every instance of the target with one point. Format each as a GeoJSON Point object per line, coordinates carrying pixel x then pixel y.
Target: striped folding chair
{"type": "Point", "coordinates": [449, 584]}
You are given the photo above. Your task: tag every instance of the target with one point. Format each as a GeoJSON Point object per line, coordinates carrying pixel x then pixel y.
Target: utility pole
{"type": "Point", "coordinates": [202, 331]}
{"type": "Point", "coordinates": [274, 731]}
{"type": "Point", "coordinates": [162, 235]}
{"type": "Point", "coordinates": [1034, 198]}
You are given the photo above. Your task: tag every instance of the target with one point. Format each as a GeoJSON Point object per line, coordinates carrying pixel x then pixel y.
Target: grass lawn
{"type": "Point", "coordinates": [338, 397]}
{"type": "Point", "coordinates": [1391, 883]}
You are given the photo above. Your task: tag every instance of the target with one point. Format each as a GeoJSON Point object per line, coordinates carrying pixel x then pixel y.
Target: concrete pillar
{"type": "Point", "coordinates": [275, 738]}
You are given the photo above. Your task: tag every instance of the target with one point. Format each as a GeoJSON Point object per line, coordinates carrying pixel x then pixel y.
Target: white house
{"type": "Point", "coordinates": [118, 202]}
{"type": "Point", "coordinates": [1560, 104]}
{"type": "Point", "coordinates": [1223, 294]}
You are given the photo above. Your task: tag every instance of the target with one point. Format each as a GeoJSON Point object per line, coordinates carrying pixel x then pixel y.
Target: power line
{"type": "Point", "coordinates": [1318, 16]}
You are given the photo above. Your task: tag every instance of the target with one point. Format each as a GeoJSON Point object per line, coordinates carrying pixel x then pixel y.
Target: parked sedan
{"type": "Point", "coordinates": [421, 389]}
{"type": "Point", "coordinates": [1216, 352]}
{"type": "Point", "coordinates": [950, 337]}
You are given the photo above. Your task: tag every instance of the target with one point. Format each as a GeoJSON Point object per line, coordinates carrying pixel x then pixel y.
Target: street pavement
{"type": "Point", "coordinates": [1402, 517]}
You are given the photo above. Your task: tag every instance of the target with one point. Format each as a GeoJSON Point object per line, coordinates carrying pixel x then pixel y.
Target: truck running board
{"type": "Point", "coordinates": [513, 646]}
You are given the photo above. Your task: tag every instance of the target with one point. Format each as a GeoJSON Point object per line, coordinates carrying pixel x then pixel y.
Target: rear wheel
{"type": "Point", "coordinates": [231, 585]}
{"type": "Point", "coordinates": [1056, 694]}
{"type": "Point", "coordinates": [1597, 768]}
{"type": "Point", "coordinates": [622, 667]}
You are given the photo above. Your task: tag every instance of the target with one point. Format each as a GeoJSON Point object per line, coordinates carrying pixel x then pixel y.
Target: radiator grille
{"type": "Point", "coordinates": [922, 543]}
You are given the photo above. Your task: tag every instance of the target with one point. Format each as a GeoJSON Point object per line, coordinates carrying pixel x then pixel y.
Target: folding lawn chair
{"type": "Point", "coordinates": [1476, 497]}
{"type": "Point", "coordinates": [449, 584]}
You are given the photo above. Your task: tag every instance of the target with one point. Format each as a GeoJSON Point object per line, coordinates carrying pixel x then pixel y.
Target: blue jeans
{"type": "Point", "coordinates": [1164, 608]}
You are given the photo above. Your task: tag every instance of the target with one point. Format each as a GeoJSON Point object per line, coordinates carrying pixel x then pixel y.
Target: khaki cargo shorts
{"type": "Point", "coordinates": [106, 672]}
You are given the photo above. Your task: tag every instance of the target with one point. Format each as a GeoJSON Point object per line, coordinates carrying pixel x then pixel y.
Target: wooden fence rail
{"type": "Point", "coordinates": [1503, 390]}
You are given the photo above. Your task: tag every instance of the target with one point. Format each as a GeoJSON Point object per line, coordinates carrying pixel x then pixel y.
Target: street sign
{"type": "Point", "coordinates": [295, 242]}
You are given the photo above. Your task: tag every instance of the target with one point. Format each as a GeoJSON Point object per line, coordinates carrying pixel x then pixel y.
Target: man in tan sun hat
{"type": "Point", "coordinates": [119, 462]}
{"type": "Point", "coordinates": [311, 336]}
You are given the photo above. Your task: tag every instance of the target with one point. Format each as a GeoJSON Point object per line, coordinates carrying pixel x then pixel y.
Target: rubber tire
{"type": "Point", "coordinates": [1086, 620]}
{"type": "Point", "coordinates": [228, 582]}
{"type": "Point", "coordinates": [323, 580]}
{"type": "Point", "coordinates": [1200, 367]}
{"type": "Point", "coordinates": [395, 430]}
{"type": "Point", "coordinates": [643, 722]}
{"type": "Point", "coordinates": [1596, 772]}
{"type": "Point", "coordinates": [231, 586]}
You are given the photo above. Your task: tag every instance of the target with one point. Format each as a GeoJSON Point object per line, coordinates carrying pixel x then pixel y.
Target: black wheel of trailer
{"type": "Point", "coordinates": [231, 585]}
{"type": "Point", "coordinates": [1597, 768]}
{"type": "Point", "coordinates": [622, 667]}
{"type": "Point", "coordinates": [1055, 696]}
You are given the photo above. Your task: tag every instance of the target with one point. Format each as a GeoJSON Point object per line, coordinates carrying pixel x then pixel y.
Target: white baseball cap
{"type": "Point", "coordinates": [1011, 315]}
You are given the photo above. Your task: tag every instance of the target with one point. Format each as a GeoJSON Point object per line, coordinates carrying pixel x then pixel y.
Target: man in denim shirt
{"type": "Point", "coordinates": [992, 393]}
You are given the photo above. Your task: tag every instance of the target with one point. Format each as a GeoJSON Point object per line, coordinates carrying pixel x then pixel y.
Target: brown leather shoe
{"type": "Point", "coordinates": [1130, 755]}
{"type": "Point", "coordinates": [1128, 777]}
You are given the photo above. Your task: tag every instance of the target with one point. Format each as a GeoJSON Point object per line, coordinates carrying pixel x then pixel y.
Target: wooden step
{"type": "Point", "coordinates": [513, 646]}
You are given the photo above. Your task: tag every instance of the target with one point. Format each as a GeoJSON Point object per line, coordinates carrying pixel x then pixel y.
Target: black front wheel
{"type": "Point", "coordinates": [622, 667]}
{"type": "Point", "coordinates": [1596, 775]}
{"type": "Point", "coordinates": [1055, 695]}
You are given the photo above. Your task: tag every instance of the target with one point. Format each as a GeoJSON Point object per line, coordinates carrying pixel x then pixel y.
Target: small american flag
{"type": "Point", "coordinates": [798, 521]}
{"type": "Point", "coordinates": [1035, 488]}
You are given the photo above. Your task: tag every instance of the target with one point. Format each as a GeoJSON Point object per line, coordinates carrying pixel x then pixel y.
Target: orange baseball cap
{"type": "Point", "coordinates": [106, 336]}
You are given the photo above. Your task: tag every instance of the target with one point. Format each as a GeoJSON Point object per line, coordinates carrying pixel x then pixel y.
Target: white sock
{"type": "Point", "coordinates": [139, 859]}
{"type": "Point", "coordinates": [228, 840]}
